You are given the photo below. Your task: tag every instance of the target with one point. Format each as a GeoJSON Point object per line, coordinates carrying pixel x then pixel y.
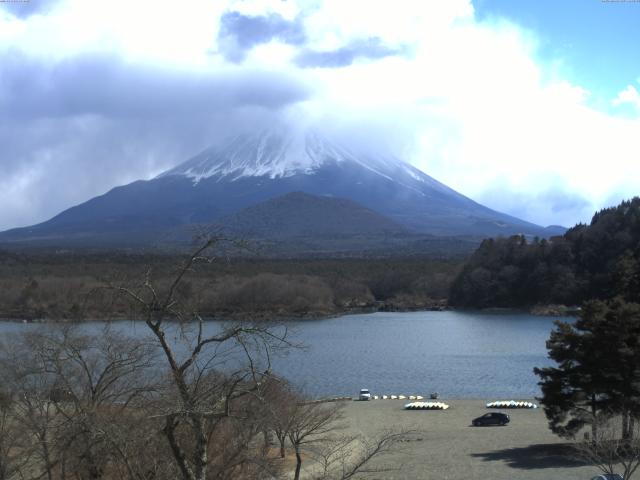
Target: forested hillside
{"type": "Point", "coordinates": [68, 286]}
{"type": "Point", "coordinates": [596, 261]}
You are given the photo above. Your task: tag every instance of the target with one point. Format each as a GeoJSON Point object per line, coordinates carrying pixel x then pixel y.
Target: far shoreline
{"type": "Point", "coordinates": [283, 317]}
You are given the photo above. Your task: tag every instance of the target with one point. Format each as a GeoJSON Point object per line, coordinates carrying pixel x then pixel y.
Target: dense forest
{"type": "Point", "coordinates": [596, 261]}
{"type": "Point", "coordinates": [70, 286]}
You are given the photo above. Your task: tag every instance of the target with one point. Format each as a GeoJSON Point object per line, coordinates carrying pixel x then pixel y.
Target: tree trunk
{"type": "Point", "coordinates": [282, 451]}
{"type": "Point", "coordinates": [594, 419]}
{"type": "Point", "coordinates": [266, 441]}
{"type": "Point", "coordinates": [63, 466]}
{"type": "Point", "coordinates": [298, 464]}
{"type": "Point", "coordinates": [94, 470]}
{"type": "Point", "coordinates": [43, 437]}
{"type": "Point", "coordinates": [178, 454]}
{"type": "Point", "coordinates": [625, 424]}
{"type": "Point", "coordinates": [200, 455]}
{"type": "Point", "coordinates": [47, 458]}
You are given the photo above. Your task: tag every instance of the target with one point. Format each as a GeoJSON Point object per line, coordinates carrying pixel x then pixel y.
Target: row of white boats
{"type": "Point", "coordinates": [426, 406]}
{"type": "Point", "coordinates": [396, 397]}
{"type": "Point", "coordinates": [434, 405]}
{"type": "Point", "coordinates": [511, 404]}
{"type": "Point", "coordinates": [444, 406]}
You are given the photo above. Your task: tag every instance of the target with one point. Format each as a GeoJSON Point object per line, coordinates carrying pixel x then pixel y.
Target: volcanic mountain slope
{"type": "Point", "coordinates": [250, 169]}
{"type": "Point", "coordinates": [299, 225]}
{"type": "Point", "coordinates": [299, 214]}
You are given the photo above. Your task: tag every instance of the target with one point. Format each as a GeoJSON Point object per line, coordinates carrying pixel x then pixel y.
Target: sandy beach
{"type": "Point", "coordinates": [449, 448]}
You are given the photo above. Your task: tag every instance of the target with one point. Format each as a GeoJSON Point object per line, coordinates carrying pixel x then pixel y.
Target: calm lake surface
{"type": "Point", "coordinates": [458, 354]}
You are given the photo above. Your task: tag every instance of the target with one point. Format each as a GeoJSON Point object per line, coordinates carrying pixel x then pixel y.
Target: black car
{"type": "Point", "coordinates": [492, 418]}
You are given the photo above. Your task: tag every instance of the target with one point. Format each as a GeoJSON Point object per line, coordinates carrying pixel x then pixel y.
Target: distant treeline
{"type": "Point", "coordinates": [69, 285]}
{"type": "Point", "coordinates": [596, 261]}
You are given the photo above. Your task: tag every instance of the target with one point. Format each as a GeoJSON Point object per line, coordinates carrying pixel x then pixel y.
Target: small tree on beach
{"type": "Point", "coordinates": [312, 423]}
{"type": "Point", "coordinates": [280, 403]}
{"type": "Point", "coordinates": [350, 456]}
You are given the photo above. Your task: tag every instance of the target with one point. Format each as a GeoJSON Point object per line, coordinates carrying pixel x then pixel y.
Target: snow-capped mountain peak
{"type": "Point", "coordinates": [277, 154]}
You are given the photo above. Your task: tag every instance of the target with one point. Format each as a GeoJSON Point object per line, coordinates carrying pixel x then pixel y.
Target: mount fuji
{"type": "Point", "coordinates": [276, 184]}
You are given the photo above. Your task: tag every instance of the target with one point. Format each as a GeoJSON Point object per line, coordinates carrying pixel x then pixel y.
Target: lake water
{"type": "Point", "coordinates": [458, 354]}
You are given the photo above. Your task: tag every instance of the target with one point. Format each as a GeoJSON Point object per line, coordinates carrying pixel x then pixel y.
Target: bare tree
{"type": "Point", "coordinates": [609, 451]}
{"type": "Point", "coordinates": [312, 423]}
{"type": "Point", "coordinates": [78, 397]}
{"type": "Point", "coordinates": [202, 397]}
{"type": "Point", "coordinates": [313, 428]}
{"type": "Point", "coordinates": [28, 408]}
{"type": "Point", "coordinates": [280, 403]}
{"type": "Point", "coordinates": [39, 419]}
{"type": "Point", "coordinates": [15, 448]}
{"type": "Point", "coordinates": [348, 457]}
{"type": "Point", "coordinates": [99, 381]}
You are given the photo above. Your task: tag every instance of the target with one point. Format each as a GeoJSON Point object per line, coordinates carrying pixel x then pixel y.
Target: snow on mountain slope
{"type": "Point", "coordinates": [276, 153]}
{"type": "Point", "coordinates": [267, 154]}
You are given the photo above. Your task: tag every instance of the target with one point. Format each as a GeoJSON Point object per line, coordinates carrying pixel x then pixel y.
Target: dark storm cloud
{"type": "Point", "coordinates": [240, 33]}
{"type": "Point", "coordinates": [26, 8]}
{"type": "Point", "coordinates": [105, 85]}
{"type": "Point", "coordinates": [371, 49]}
{"type": "Point", "coordinates": [74, 129]}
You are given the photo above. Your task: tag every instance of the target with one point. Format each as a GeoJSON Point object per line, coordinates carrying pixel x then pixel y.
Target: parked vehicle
{"type": "Point", "coordinates": [365, 394]}
{"type": "Point", "coordinates": [608, 476]}
{"type": "Point", "coordinates": [492, 418]}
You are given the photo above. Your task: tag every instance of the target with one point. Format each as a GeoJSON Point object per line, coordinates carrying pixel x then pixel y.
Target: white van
{"type": "Point", "coordinates": [365, 394]}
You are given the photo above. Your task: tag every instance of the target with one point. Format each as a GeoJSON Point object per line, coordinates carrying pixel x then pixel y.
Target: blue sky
{"type": "Point", "coordinates": [592, 43]}
{"type": "Point", "coordinates": [529, 107]}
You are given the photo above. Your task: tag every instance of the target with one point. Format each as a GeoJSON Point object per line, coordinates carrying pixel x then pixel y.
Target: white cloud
{"type": "Point", "coordinates": [144, 30]}
{"type": "Point", "coordinates": [489, 118]}
{"type": "Point", "coordinates": [402, 21]}
{"type": "Point", "coordinates": [627, 96]}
